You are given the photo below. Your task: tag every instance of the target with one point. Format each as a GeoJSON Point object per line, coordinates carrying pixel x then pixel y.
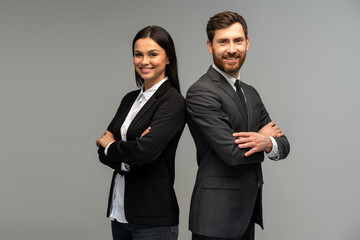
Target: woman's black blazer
{"type": "Point", "coordinates": [149, 194]}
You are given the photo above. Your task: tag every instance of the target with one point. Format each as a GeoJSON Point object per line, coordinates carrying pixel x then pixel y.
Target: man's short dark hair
{"type": "Point", "coordinates": [224, 20]}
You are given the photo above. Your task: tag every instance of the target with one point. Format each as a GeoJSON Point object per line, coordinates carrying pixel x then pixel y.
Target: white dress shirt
{"type": "Point", "coordinates": [117, 204]}
{"type": "Point", "coordinates": [274, 154]}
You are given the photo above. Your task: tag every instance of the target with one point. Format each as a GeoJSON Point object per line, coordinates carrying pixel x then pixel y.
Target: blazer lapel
{"type": "Point", "coordinates": [160, 91]}
{"type": "Point", "coordinates": [224, 85]}
{"type": "Point", "coordinates": [122, 114]}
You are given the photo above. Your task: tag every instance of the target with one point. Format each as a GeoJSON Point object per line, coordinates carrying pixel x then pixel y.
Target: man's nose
{"type": "Point", "coordinates": [231, 48]}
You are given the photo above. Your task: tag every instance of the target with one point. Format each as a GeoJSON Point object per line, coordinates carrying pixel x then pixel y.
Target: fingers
{"type": "Point", "coordinates": [279, 134]}
{"type": "Point", "coordinates": [255, 143]}
{"type": "Point", "coordinates": [243, 134]}
{"type": "Point", "coordinates": [251, 151]}
{"type": "Point", "coordinates": [252, 146]}
{"type": "Point", "coordinates": [242, 140]}
{"type": "Point", "coordinates": [98, 141]}
{"type": "Point", "coordinates": [271, 124]}
{"type": "Point", "coordinates": [145, 132]}
{"type": "Point", "coordinates": [108, 133]}
{"type": "Point", "coordinates": [247, 144]}
{"type": "Point", "coordinates": [105, 139]}
{"type": "Point", "coordinates": [277, 130]}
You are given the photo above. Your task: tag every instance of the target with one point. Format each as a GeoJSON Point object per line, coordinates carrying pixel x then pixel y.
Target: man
{"type": "Point", "coordinates": [231, 129]}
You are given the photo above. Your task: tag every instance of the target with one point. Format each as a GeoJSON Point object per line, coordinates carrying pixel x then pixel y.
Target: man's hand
{"type": "Point", "coordinates": [105, 139]}
{"type": "Point", "coordinates": [271, 129]}
{"type": "Point", "coordinates": [255, 141]}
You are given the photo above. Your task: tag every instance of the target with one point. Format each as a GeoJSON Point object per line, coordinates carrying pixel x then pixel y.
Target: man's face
{"type": "Point", "coordinates": [229, 48]}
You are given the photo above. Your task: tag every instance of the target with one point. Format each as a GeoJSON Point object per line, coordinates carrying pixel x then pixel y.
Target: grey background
{"type": "Point", "coordinates": [65, 65]}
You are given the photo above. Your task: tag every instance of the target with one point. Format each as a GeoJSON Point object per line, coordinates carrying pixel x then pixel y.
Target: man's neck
{"type": "Point", "coordinates": [234, 75]}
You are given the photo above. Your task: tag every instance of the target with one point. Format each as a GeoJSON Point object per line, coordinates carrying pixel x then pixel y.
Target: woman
{"type": "Point", "coordinates": [141, 141]}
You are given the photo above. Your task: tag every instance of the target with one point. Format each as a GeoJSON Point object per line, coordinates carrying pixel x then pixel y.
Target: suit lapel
{"type": "Point", "coordinates": [224, 85]}
{"type": "Point", "coordinates": [248, 98]}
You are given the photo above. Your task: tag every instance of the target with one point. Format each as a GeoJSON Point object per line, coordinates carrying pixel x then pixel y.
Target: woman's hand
{"type": "Point", "coordinates": [145, 132]}
{"type": "Point", "coordinates": [105, 139]}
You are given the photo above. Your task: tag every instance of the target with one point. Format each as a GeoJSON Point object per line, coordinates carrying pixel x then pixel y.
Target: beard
{"type": "Point", "coordinates": [229, 68]}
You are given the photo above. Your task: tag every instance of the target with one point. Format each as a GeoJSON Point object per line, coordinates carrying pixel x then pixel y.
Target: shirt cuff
{"type": "Point", "coordinates": [124, 167]}
{"type": "Point", "coordinates": [106, 149]}
{"type": "Point", "coordinates": [274, 154]}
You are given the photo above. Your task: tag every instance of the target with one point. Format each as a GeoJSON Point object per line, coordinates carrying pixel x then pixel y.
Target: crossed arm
{"type": "Point", "coordinates": [167, 123]}
{"type": "Point", "coordinates": [258, 141]}
{"type": "Point", "coordinates": [108, 138]}
{"type": "Point", "coordinates": [255, 141]}
{"type": "Point", "coordinates": [209, 122]}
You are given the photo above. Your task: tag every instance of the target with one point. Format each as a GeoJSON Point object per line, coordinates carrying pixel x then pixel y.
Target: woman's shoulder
{"type": "Point", "coordinates": [175, 94]}
{"type": "Point", "coordinates": [130, 95]}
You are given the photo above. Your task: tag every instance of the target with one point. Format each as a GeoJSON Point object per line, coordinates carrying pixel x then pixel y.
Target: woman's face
{"type": "Point", "coordinates": [150, 61]}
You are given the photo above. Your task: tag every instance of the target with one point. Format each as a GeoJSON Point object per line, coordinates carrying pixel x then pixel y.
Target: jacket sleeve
{"type": "Point", "coordinates": [209, 122]}
{"type": "Point", "coordinates": [101, 154]}
{"type": "Point", "coordinates": [282, 142]}
{"type": "Point", "coordinates": [106, 161]}
{"type": "Point", "coordinates": [167, 122]}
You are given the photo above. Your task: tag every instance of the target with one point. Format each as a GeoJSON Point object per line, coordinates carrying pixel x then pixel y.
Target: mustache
{"type": "Point", "coordinates": [236, 55]}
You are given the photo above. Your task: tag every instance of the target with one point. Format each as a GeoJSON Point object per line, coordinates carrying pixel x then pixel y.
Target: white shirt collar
{"type": "Point", "coordinates": [148, 93]}
{"type": "Point", "coordinates": [229, 78]}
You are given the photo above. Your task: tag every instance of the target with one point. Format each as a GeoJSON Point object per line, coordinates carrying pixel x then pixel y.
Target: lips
{"type": "Point", "coordinates": [231, 60]}
{"type": "Point", "coordinates": [145, 70]}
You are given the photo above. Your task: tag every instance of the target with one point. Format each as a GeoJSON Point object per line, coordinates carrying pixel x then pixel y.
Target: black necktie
{"type": "Point", "coordinates": [241, 96]}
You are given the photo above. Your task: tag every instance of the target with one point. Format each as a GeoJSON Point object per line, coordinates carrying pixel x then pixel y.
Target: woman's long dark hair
{"type": "Point", "coordinates": [163, 38]}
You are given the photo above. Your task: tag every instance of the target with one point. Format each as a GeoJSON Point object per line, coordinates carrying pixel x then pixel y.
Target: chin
{"type": "Point", "coordinates": [233, 69]}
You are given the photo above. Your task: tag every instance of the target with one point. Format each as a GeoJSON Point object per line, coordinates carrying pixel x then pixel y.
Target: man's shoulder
{"type": "Point", "coordinates": [205, 79]}
{"type": "Point", "coordinates": [204, 82]}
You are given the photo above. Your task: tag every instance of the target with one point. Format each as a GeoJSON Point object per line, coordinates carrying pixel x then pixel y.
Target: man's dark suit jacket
{"type": "Point", "coordinates": [228, 184]}
{"type": "Point", "coordinates": [149, 195]}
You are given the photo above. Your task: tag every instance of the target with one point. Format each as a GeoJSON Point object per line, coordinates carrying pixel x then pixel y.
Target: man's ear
{"type": "Point", "coordinates": [209, 46]}
{"type": "Point", "coordinates": [247, 43]}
